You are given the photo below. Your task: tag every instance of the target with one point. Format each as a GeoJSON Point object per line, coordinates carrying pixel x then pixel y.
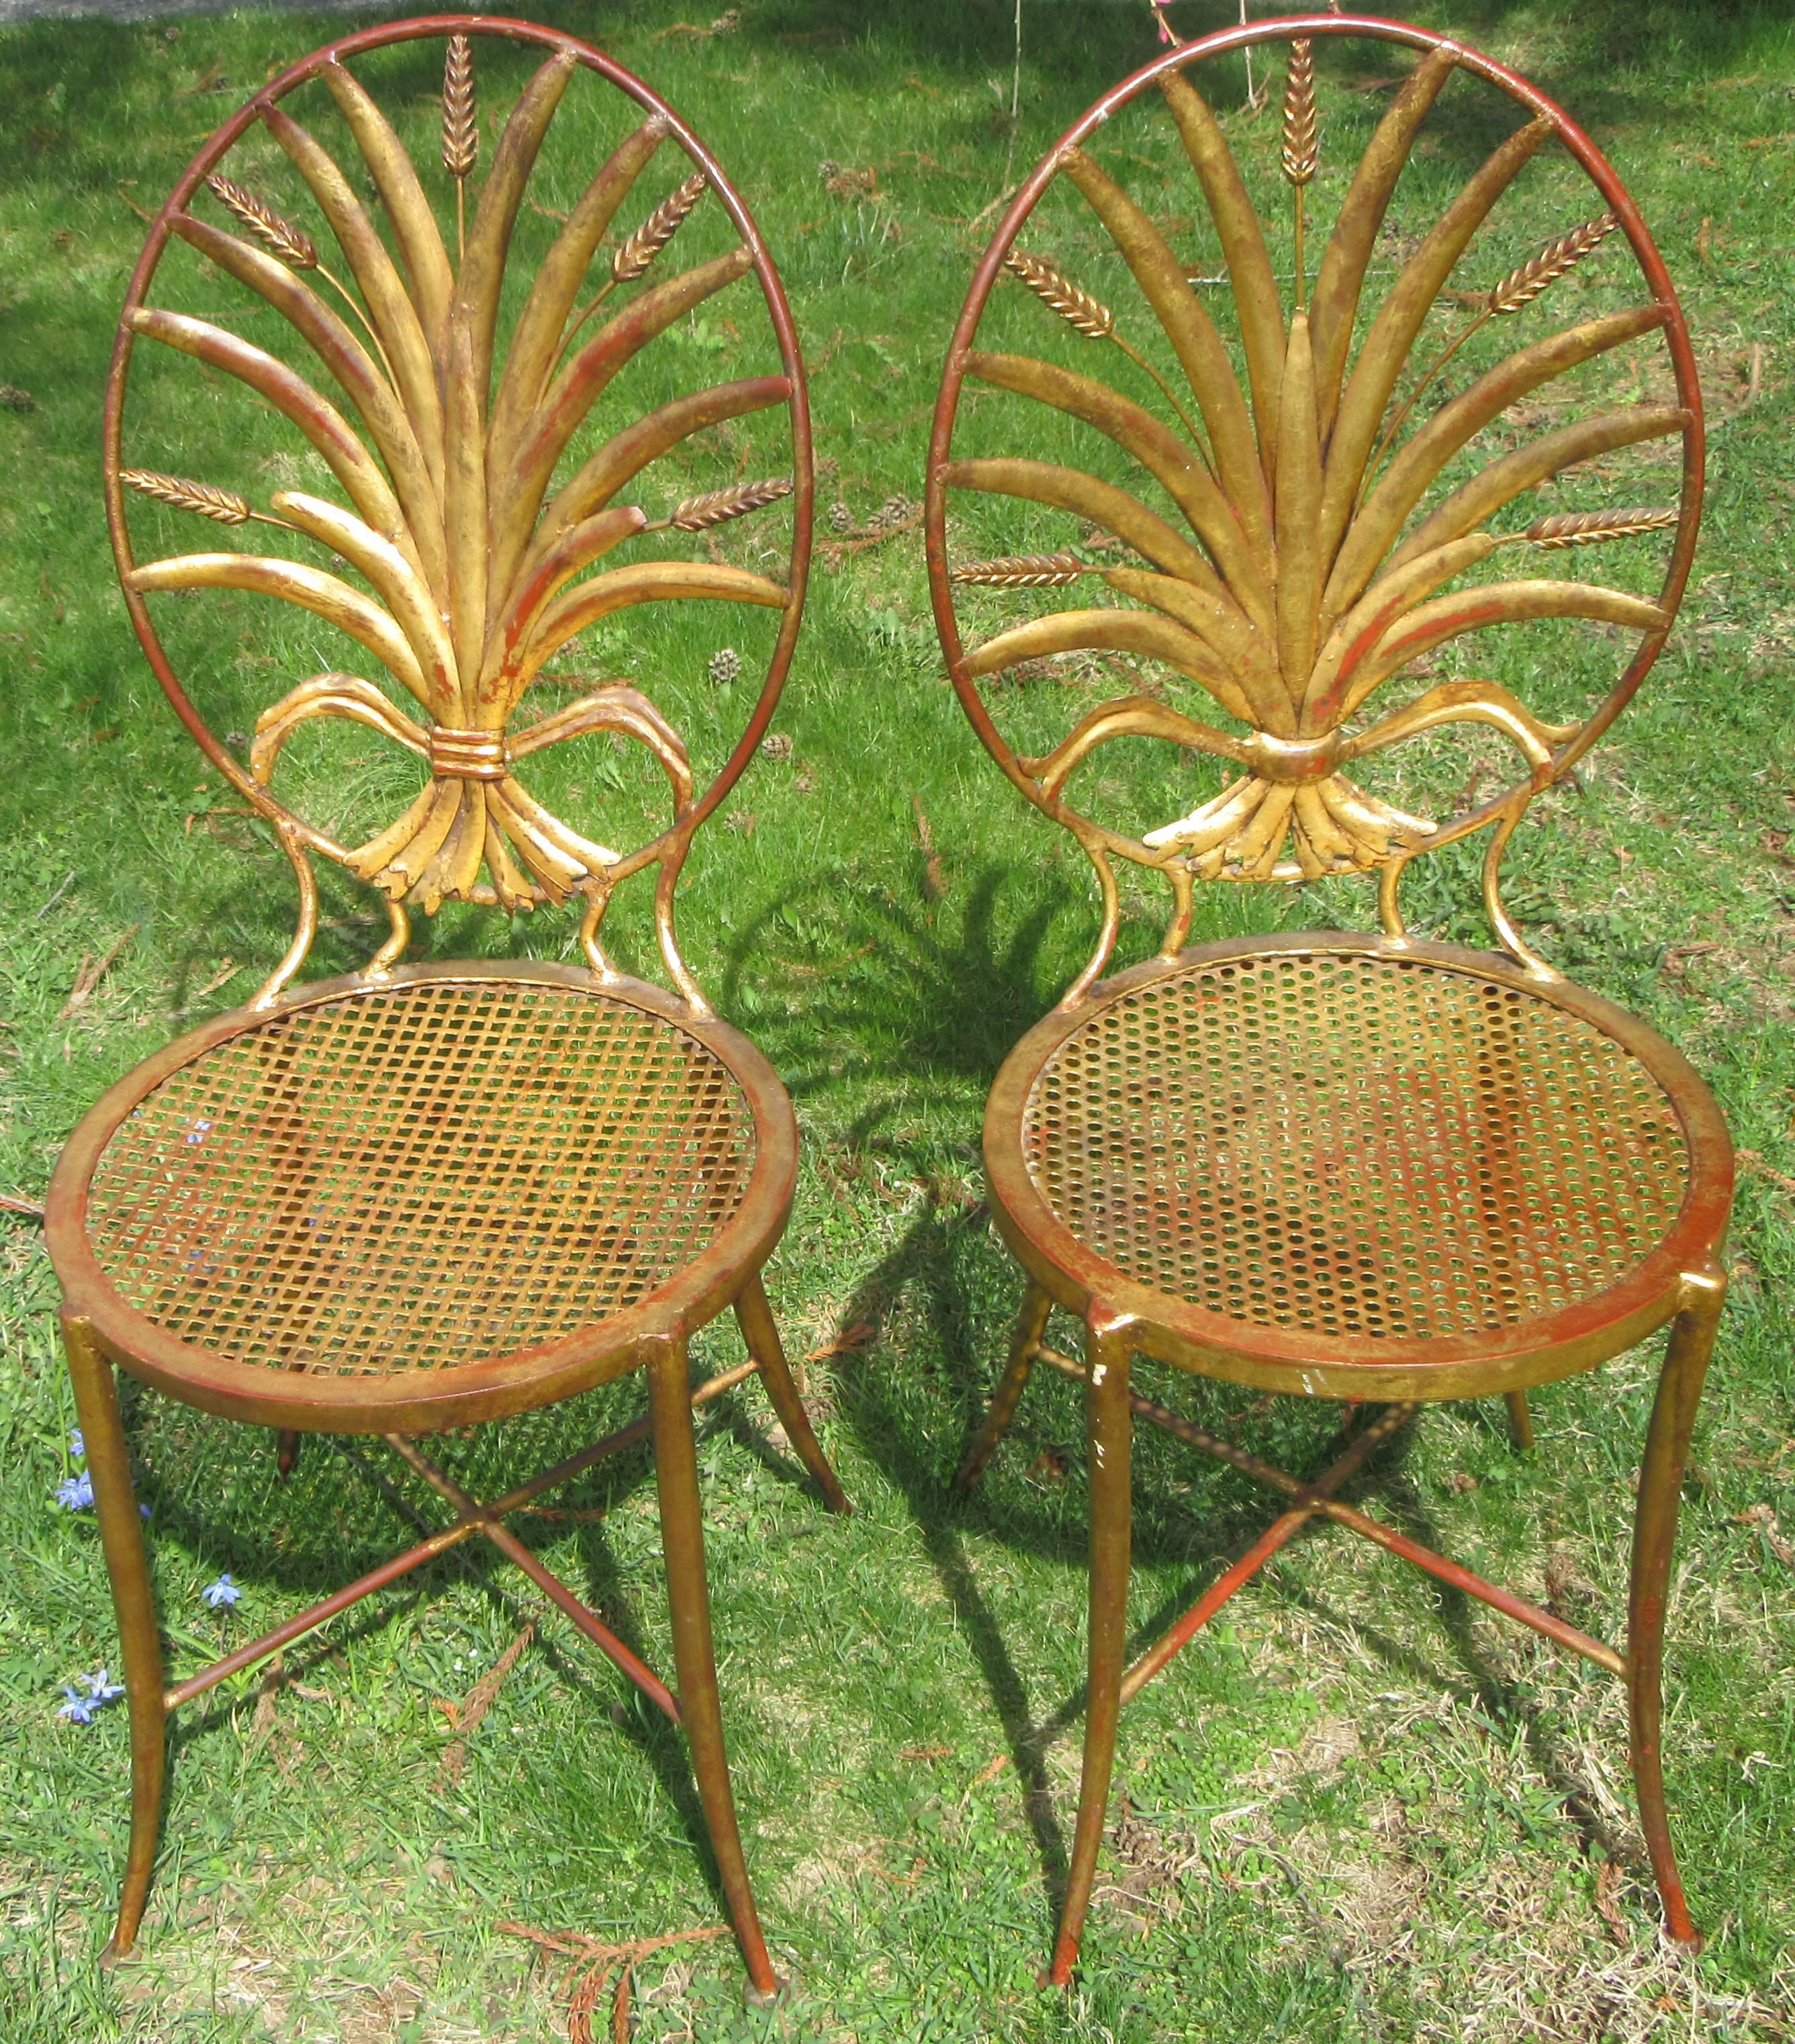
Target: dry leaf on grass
{"type": "Point", "coordinates": [858, 1336]}
{"type": "Point", "coordinates": [988, 1774]}
{"type": "Point", "coordinates": [935, 874]}
{"type": "Point", "coordinates": [1608, 1886]}
{"type": "Point", "coordinates": [1750, 1161]}
{"type": "Point", "coordinates": [465, 1717]}
{"type": "Point", "coordinates": [1764, 1518]}
{"type": "Point", "coordinates": [599, 1962]}
{"type": "Point", "coordinates": [89, 973]}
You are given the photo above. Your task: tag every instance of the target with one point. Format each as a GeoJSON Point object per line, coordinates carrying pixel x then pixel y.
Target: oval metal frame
{"type": "Point", "coordinates": [785, 332]}
{"type": "Point", "coordinates": [1284, 28]}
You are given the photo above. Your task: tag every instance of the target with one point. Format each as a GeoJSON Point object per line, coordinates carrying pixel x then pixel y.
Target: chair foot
{"type": "Point", "coordinates": [676, 1480]}
{"type": "Point", "coordinates": [761, 1331]}
{"type": "Point", "coordinates": [1520, 1422]}
{"type": "Point", "coordinates": [783, 1991]}
{"type": "Point", "coordinates": [1031, 1324]}
{"type": "Point", "coordinates": [286, 1452]}
{"type": "Point", "coordinates": [121, 1537]}
{"type": "Point", "coordinates": [1654, 1532]}
{"type": "Point", "coordinates": [1110, 1424]}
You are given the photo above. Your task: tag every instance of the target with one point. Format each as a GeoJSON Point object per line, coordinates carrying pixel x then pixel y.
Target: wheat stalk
{"type": "Point", "coordinates": [1075, 307]}
{"type": "Point", "coordinates": [635, 254]}
{"type": "Point", "coordinates": [1520, 287]}
{"type": "Point", "coordinates": [461, 133]}
{"type": "Point", "coordinates": [1096, 322]}
{"type": "Point", "coordinates": [1022, 572]}
{"type": "Point", "coordinates": [224, 505]}
{"type": "Point", "coordinates": [1302, 148]}
{"type": "Point", "coordinates": [717, 507]}
{"type": "Point", "coordinates": [287, 241]}
{"type": "Point", "coordinates": [1584, 529]}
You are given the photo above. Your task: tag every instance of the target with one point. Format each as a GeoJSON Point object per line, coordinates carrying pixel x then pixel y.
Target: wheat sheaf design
{"type": "Point", "coordinates": [1313, 564]}
{"type": "Point", "coordinates": [472, 550]}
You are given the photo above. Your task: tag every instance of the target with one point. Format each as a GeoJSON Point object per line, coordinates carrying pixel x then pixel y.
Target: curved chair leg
{"type": "Point", "coordinates": [1111, 1421]}
{"type": "Point", "coordinates": [761, 1331]}
{"type": "Point", "coordinates": [1654, 1532]}
{"type": "Point", "coordinates": [682, 1545]}
{"type": "Point", "coordinates": [1520, 1421]}
{"type": "Point", "coordinates": [1031, 1324]}
{"type": "Point", "coordinates": [121, 1537]}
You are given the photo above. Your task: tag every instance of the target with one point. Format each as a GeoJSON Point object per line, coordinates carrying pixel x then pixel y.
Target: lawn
{"type": "Point", "coordinates": [1358, 1808]}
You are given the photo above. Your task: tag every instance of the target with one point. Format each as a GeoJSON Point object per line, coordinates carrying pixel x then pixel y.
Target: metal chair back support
{"type": "Point", "coordinates": [1282, 417]}
{"type": "Point", "coordinates": [422, 1195]}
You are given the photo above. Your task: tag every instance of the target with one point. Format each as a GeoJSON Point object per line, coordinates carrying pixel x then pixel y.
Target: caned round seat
{"type": "Point", "coordinates": [466, 1182]}
{"type": "Point", "coordinates": [1354, 1158]}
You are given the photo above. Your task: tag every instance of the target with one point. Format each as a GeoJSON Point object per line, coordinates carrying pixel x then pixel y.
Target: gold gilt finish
{"type": "Point", "coordinates": [473, 540]}
{"type": "Point", "coordinates": [450, 1171]}
{"type": "Point", "coordinates": [1364, 1167]}
{"type": "Point", "coordinates": [422, 1196]}
{"type": "Point", "coordinates": [1353, 1144]}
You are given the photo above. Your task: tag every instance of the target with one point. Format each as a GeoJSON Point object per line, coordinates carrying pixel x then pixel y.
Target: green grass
{"type": "Point", "coordinates": [1355, 1810]}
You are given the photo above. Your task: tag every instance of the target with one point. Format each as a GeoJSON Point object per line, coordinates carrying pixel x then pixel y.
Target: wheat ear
{"type": "Point", "coordinates": [1520, 287]}
{"type": "Point", "coordinates": [1585, 529]}
{"type": "Point", "coordinates": [1302, 147]}
{"type": "Point", "coordinates": [461, 129]}
{"type": "Point", "coordinates": [634, 256]}
{"type": "Point", "coordinates": [1076, 306]}
{"type": "Point", "coordinates": [292, 245]}
{"type": "Point", "coordinates": [225, 507]}
{"type": "Point", "coordinates": [1021, 571]}
{"type": "Point", "coordinates": [461, 133]}
{"type": "Point", "coordinates": [717, 507]}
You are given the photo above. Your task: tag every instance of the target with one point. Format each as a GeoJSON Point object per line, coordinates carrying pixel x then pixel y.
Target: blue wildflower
{"type": "Point", "coordinates": [101, 1690]}
{"type": "Point", "coordinates": [75, 1493]}
{"type": "Point", "coordinates": [220, 1595]}
{"type": "Point", "coordinates": [77, 1446]}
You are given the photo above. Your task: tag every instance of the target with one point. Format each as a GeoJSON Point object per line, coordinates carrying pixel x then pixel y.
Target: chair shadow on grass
{"type": "Point", "coordinates": [388, 1509]}
{"type": "Point", "coordinates": [936, 995]}
{"type": "Point", "coordinates": [913, 1420]}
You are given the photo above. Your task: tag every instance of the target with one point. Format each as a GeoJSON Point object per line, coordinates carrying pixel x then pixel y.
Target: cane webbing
{"type": "Point", "coordinates": [1355, 1145]}
{"type": "Point", "coordinates": [436, 1173]}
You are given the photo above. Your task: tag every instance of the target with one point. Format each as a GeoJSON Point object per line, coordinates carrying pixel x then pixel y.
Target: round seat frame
{"type": "Point", "coordinates": [1510, 1350]}
{"type": "Point", "coordinates": [284, 1123]}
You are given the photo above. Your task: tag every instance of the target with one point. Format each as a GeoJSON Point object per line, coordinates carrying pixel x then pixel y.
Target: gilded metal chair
{"type": "Point", "coordinates": [422, 1195]}
{"type": "Point", "coordinates": [1336, 1165]}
